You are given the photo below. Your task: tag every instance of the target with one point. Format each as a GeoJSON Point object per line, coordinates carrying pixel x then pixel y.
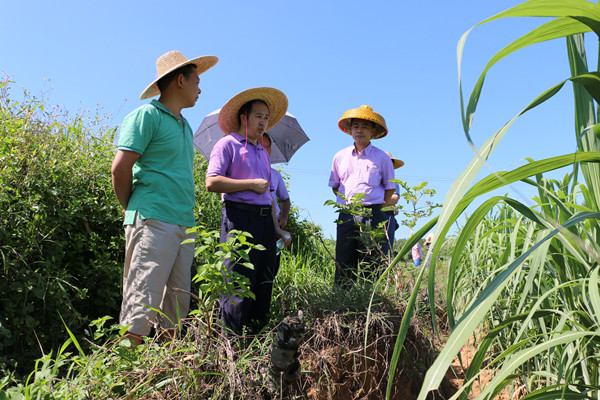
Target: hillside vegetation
{"type": "Point", "coordinates": [61, 246]}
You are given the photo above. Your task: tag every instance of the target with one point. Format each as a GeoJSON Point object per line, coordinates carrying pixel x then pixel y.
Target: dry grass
{"type": "Point", "coordinates": [336, 364]}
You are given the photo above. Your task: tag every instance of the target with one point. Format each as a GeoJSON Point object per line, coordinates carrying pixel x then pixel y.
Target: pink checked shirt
{"type": "Point", "coordinates": [368, 173]}
{"type": "Point", "coordinates": [416, 251]}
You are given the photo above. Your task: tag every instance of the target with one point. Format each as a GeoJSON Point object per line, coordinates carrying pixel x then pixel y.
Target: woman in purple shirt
{"type": "Point", "coordinates": [360, 169]}
{"type": "Point", "coordinates": [239, 167]}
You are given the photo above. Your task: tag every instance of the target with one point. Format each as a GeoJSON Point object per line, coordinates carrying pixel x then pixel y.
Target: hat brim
{"type": "Point", "coordinates": [397, 163]}
{"type": "Point", "coordinates": [345, 122]}
{"type": "Point", "coordinates": [275, 99]}
{"type": "Point", "coordinates": [203, 64]}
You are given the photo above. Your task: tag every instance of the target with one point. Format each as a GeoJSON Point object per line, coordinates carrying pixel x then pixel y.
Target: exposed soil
{"type": "Point", "coordinates": [455, 375]}
{"type": "Point", "coordinates": [338, 365]}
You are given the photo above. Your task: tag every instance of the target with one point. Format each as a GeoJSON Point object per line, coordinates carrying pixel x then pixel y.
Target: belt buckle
{"type": "Point", "coordinates": [264, 211]}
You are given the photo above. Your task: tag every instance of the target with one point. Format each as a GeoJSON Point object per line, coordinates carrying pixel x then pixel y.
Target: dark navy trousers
{"type": "Point", "coordinates": [349, 247]}
{"type": "Point", "coordinates": [235, 312]}
{"type": "Point", "coordinates": [392, 226]}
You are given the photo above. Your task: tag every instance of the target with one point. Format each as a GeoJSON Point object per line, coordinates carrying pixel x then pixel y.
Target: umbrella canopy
{"type": "Point", "coordinates": [286, 137]}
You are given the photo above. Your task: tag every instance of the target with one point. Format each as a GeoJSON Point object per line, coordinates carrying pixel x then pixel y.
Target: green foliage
{"type": "Point", "coordinates": [197, 366]}
{"type": "Point", "coordinates": [370, 237]}
{"type": "Point", "coordinates": [212, 278]}
{"type": "Point", "coordinates": [412, 196]}
{"type": "Point", "coordinates": [526, 278]}
{"type": "Point", "coordinates": [352, 205]}
{"type": "Point", "coordinates": [61, 235]}
{"type": "Point", "coordinates": [60, 239]}
{"type": "Point", "coordinates": [306, 235]}
{"type": "Point", "coordinates": [208, 205]}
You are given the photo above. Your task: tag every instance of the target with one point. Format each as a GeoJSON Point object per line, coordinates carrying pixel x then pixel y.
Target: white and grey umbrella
{"type": "Point", "coordinates": [286, 137]}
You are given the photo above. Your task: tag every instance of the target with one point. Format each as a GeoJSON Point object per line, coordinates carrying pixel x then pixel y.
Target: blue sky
{"type": "Point", "coordinates": [327, 56]}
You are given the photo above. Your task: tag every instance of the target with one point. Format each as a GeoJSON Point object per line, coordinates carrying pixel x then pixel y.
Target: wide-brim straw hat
{"type": "Point", "coordinates": [363, 112]}
{"type": "Point", "coordinates": [429, 239]}
{"type": "Point", "coordinates": [275, 100]}
{"type": "Point", "coordinates": [397, 163]}
{"type": "Point", "coordinates": [169, 62]}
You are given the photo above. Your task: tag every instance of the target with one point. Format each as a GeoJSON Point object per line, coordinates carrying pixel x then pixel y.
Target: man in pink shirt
{"type": "Point", "coordinates": [417, 254]}
{"type": "Point", "coordinates": [239, 167]}
{"type": "Point", "coordinates": [365, 169]}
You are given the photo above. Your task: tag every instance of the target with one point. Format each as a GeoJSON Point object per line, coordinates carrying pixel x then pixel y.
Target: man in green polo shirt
{"type": "Point", "coordinates": [153, 180]}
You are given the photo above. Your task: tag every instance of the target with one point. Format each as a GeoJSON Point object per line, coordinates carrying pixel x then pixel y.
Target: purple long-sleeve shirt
{"type": "Point", "coordinates": [368, 173]}
{"type": "Point", "coordinates": [233, 158]}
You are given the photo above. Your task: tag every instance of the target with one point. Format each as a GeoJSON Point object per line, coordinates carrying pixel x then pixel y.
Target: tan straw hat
{"type": "Point", "coordinates": [363, 112]}
{"type": "Point", "coordinates": [397, 163]}
{"type": "Point", "coordinates": [170, 62]}
{"type": "Point", "coordinates": [275, 99]}
{"type": "Point", "coordinates": [429, 239]}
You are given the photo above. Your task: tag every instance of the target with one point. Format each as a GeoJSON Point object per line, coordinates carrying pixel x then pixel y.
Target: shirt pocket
{"type": "Point", "coordinates": [371, 175]}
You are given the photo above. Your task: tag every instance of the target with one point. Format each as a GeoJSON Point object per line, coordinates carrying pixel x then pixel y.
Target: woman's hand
{"type": "Point", "coordinates": [285, 235]}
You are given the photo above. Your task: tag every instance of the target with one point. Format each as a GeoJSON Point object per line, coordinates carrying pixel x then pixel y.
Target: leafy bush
{"type": "Point", "coordinates": [61, 241]}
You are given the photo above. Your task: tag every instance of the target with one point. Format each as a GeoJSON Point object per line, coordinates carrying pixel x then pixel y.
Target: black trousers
{"type": "Point", "coordinates": [235, 312]}
{"type": "Point", "coordinates": [350, 248]}
{"type": "Point", "coordinates": [392, 226]}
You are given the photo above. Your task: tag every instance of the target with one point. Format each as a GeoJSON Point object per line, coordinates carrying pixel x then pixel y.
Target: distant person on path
{"type": "Point", "coordinates": [360, 168]}
{"type": "Point", "coordinates": [153, 181]}
{"type": "Point", "coordinates": [239, 167]}
{"type": "Point", "coordinates": [417, 254]}
{"type": "Point", "coordinates": [428, 241]}
{"type": "Point", "coordinates": [392, 225]}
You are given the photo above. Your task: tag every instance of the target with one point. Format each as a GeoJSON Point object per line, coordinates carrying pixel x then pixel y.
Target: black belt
{"type": "Point", "coordinates": [263, 211]}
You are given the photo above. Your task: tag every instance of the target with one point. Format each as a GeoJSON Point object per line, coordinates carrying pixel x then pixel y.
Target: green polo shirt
{"type": "Point", "coordinates": [163, 180]}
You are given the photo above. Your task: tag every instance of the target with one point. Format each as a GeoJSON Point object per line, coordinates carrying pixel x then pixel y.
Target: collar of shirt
{"type": "Point", "coordinates": [242, 139]}
{"type": "Point", "coordinates": [365, 151]}
{"type": "Point", "coordinates": [162, 107]}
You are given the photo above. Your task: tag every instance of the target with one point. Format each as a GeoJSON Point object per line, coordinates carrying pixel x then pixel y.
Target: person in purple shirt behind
{"type": "Point", "coordinates": [360, 168]}
{"type": "Point", "coordinates": [279, 193]}
{"type": "Point", "coordinates": [239, 167]}
{"type": "Point", "coordinates": [278, 189]}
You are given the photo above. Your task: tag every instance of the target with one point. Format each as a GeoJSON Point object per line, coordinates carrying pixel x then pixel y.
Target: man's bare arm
{"type": "Point", "coordinates": [285, 212]}
{"type": "Point", "coordinates": [223, 184]}
{"type": "Point", "coordinates": [122, 176]}
{"type": "Point", "coordinates": [387, 197]}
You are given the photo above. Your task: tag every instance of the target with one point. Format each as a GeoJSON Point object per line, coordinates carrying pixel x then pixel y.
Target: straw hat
{"type": "Point", "coordinates": [363, 112]}
{"type": "Point", "coordinates": [397, 163]}
{"type": "Point", "coordinates": [275, 99]}
{"type": "Point", "coordinates": [429, 239]}
{"type": "Point", "coordinates": [170, 62]}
